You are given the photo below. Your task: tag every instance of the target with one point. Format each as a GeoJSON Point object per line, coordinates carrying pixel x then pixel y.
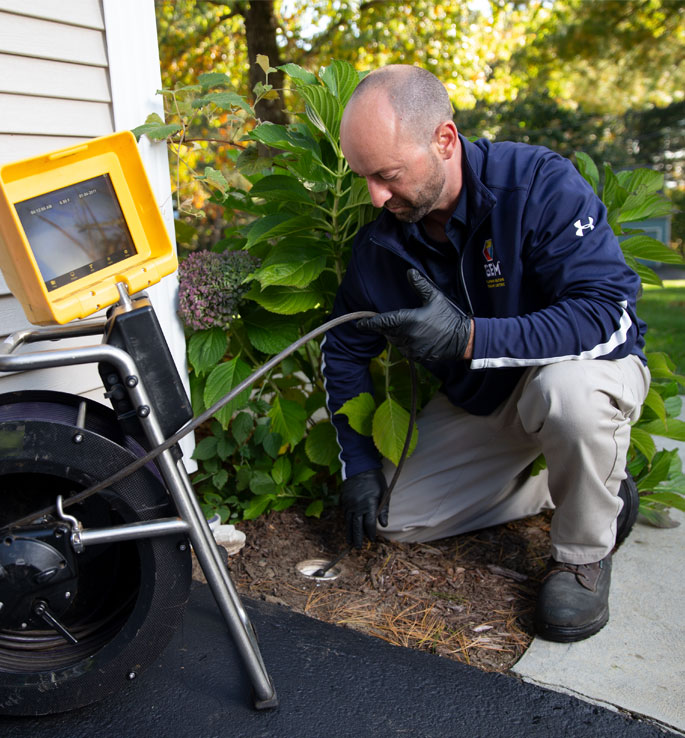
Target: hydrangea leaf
{"type": "Point", "coordinates": [359, 411]}
{"type": "Point", "coordinates": [292, 266]}
{"type": "Point", "coordinates": [288, 418]}
{"type": "Point", "coordinates": [287, 300]}
{"type": "Point", "coordinates": [221, 381]}
{"type": "Point", "coordinates": [281, 187]}
{"type": "Point", "coordinates": [321, 445]}
{"type": "Point", "coordinates": [390, 425]}
{"type": "Point", "coordinates": [270, 333]}
{"type": "Point", "coordinates": [278, 224]}
{"type": "Point", "coordinates": [205, 349]}
{"type": "Point", "coordinates": [298, 73]}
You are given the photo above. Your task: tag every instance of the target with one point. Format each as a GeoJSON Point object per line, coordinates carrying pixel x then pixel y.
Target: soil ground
{"type": "Point", "coordinates": [469, 598]}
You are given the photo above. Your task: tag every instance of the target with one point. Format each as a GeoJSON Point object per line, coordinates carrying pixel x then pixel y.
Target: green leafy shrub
{"type": "Point", "coordinates": [294, 206]}
{"type": "Point", "coordinates": [633, 196]}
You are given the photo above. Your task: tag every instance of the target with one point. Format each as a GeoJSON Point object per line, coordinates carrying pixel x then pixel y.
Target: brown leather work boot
{"type": "Point", "coordinates": [573, 603]}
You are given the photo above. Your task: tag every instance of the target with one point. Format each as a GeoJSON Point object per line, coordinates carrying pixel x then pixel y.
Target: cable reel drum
{"type": "Point", "coordinates": [76, 627]}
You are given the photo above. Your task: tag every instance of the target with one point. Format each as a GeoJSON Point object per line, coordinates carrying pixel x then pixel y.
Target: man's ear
{"type": "Point", "coordinates": [446, 139]}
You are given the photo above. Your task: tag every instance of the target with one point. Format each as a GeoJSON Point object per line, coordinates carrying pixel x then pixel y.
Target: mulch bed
{"type": "Point", "coordinates": [469, 598]}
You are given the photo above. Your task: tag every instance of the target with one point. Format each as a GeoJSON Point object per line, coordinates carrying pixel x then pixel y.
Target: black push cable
{"type": "Point", "coordinates": [193, 424]}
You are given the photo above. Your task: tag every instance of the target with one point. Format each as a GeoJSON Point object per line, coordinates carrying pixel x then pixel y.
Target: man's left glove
{"type": "Point", "coordinates": [360, 496]}
{"type": "Point", "coordinates": [437, 331]}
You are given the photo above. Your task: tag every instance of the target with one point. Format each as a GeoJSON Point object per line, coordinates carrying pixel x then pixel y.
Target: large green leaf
{"type": "Point", "coordinates": [390, 426]}
{"type": "Point", "coordinates": [215, 178]}
{"type": "Point", "coordinates": [314, 509]}
{"type": "Point", "coordinates": [292, 265]}
{"type": "Point", "coordinates": [323, 109]}
{"type": "Point", "coordinates": [302, 473]}
{"type": "Point", "coordinates": [205, 349]}
{"type": "Point", "coordinates": [358, 194]}
{"type": "Point", "coordinates": [668, 498]}
{"type": "Point", "coordinates": [321, 445]}
{"type": "Point", "coordinates": [295, 139]}
{"type": "Point", "coordinates": [205, 449]}
{"type": "Point", "coordinates": [647, 275]}
{"type": "Point", "coordinates": [644, 247]}
{"type": "Point", "coordinates": [643, 441]}
{"type": "Point", "coordinates": [655, 402]}
{"type": "Point", "coordinates": [359, 411]}
{"type": "Point", "coordinates": [613, 195]}
{"type": "Point", "coordinates": [588, 169]}
{"type": "Point", "coordinates": [643, 180]}
{"type": "Point", "coordinates": [260, 502]}
{"type": "Point", "coordinates": [270, 333]}
{"type": "Point", "coordinates": [288, 419]}
{"type": "Point", "coordinates": [674, 405]}
{"type": "Point", "coordinates": [221, 381]}
{"type": "Point", "coordinates": [673, 428]}
{"type": "Point", "coordinates": [298, 73]}
{"type": "Point", "coordinates": [155, 128]}
{"type": "Point", "coordinates": [242, 426]}
{"type": "Point", "coordinates": [656, 514]}
{"type": "Point", "coordinates": [282, 470]}
{"type": "Point", "coordinates": [224, 101]}
{"type": "Point", "coordinates": [341, 78]}
{"type": "Point", "coordinates": [658, 471]}
{"type": "Point", "coordinates": [272, 443]}
{"type": "Point", "coordinates": [279, 187]}
{"type": "Point", "coordinates": [640, 206]}
{"type": "Point", "coordinates": [287, 300]}
{"type": "Point", "coordinates": [213, 79]}
{"type": "Point", "coordinates": [661, 366]}
{"type": "Point", "coordinates": [278, 224]}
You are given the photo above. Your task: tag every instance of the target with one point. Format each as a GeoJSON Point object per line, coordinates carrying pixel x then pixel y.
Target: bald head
{"type": "Point", "coordinates": [397, 132]}
{"type": "Point", "coordinates": [417, 99]}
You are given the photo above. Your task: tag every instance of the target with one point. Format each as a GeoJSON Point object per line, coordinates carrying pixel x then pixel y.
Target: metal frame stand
{"type": "Point", "coordinates": [191, 519]}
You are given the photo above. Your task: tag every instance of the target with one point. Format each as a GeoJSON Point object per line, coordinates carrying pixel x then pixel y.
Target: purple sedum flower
{"type": "Point", "coordinates": [211, 287]}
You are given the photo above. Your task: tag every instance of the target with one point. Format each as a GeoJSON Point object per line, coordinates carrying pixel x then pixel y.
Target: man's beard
{"type": "Point", "coordinates": [415, 209]}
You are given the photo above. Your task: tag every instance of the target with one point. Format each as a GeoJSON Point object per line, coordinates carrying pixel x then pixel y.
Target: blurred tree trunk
{"type": "Point", "coordinates": [260, 32]}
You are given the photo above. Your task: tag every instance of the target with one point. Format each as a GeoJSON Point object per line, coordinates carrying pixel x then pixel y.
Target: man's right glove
{"type": "Point", "coordinates": [360, 497]}
{"type": "Point", "coordinates": [437, 331]}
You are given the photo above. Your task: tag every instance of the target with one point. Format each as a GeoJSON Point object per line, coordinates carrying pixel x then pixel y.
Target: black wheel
{"type": "Point", "coordinates": [121, 601]}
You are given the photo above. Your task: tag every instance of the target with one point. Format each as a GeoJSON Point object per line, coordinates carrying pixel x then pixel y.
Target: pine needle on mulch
{"type": "Point", "coordinates": [469, 598]}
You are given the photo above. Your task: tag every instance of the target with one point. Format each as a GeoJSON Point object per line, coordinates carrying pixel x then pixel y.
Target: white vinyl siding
{"type": "Point", "coordinates": [22, 75]}
{"type": "Point", "coordinates": [44, 39]}
{"type": "Point", "coordinates": [74, 12]}
{"type": "Point", "coordinates": [54, 92]}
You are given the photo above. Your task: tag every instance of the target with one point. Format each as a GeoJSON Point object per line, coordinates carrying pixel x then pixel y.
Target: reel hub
{"type": "Point", "coordinates": [38, 577]}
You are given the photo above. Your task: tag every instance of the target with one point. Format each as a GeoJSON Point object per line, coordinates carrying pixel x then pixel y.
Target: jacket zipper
{"type": "Point", "coordinates": [420, 269]}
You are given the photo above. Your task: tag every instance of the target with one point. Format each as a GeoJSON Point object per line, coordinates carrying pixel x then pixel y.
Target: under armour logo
{"type": "Point", "coordinates": [580, 227]}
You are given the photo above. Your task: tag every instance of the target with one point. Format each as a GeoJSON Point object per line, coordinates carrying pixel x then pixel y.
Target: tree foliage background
{"type": "Point", "coordinates": [603, 76]}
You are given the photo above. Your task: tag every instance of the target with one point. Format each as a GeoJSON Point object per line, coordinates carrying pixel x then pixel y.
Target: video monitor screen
{"type": "Point", "coordinates": [76, 230]}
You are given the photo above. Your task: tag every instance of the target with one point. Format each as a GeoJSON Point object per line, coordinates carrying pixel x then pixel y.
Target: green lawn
{"type": "Point", "coordinates": [663, 309]}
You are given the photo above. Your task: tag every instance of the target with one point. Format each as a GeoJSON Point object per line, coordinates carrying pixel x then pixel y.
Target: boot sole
{"type": "Point", "coordinates": [569, 634]}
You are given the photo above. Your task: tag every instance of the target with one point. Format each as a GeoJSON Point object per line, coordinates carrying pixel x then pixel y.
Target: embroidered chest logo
{"type": "Point", "coordinates": [580, 227]}
{"type": "Point", "coordinates": [492, 266]}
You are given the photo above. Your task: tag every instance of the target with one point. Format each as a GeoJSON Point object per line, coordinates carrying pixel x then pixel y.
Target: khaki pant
{"type": "Point", "coordinates": [469, 472]}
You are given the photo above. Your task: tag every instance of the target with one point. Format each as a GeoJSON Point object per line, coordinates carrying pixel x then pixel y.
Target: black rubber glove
{"type": "Point", "coordinates": [437, 331]}
{"type": "Point", "coordinates": [360, 497]}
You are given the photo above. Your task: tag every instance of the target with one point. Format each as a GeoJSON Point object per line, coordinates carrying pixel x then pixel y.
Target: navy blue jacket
{"type": "Point", "coordinates": [536, 265]}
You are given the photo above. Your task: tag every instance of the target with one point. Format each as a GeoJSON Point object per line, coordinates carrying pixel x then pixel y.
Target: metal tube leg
{"type": "Point", "coordinates": [219, 581]}
{"type": "Point", "coordinates": [212, 545]}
